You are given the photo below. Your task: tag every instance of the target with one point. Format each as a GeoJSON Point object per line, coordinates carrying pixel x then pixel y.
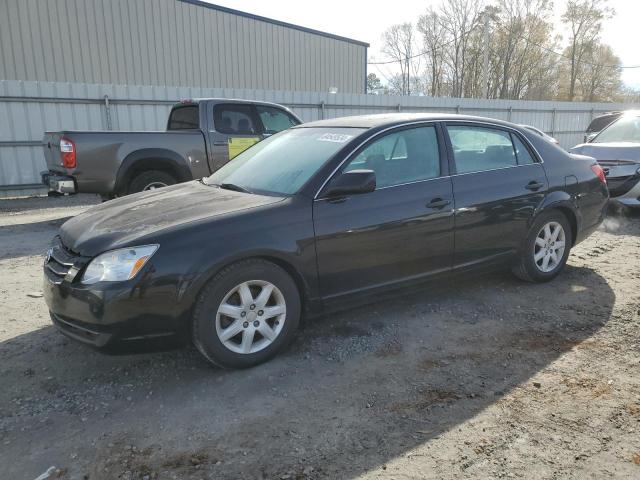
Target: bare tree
{"type": "Point", "coordinates": [600, 78]}
{"type": "Point", "coordinates": [505, 50]}
{"type": "Point", "coordinates": [398, 44]}
{"type": "Point", "coordinates": [434, 41]}
{"type": "Point", "coordinates": [459, 19]}
{"type": "Point", "coordinates": [523, 40]}
{"type": "Point", "coordinates": [584, 19]}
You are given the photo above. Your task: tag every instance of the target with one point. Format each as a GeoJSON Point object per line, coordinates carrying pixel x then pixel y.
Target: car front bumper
{"type": "Point", "coordinates": [58, 183]}
{"type": "Point", "coordinates": [108, 313]}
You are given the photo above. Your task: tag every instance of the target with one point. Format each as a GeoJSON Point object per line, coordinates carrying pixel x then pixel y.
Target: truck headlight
{"type": "Point", "coordinates": [118, 265]}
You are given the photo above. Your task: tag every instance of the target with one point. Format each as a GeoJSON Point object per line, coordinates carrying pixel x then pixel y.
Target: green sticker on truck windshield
{"type": "Point", "coordinates": [238, 145]}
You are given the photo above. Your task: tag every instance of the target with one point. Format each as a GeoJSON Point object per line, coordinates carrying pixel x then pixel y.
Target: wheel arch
{"type": "Point", "coordinates": [573, 221]}
{"type": "Point", "coordinates": [288, 266]}
{"type": "Point", "coordinates": [562, 202]}
{"type": "Point", "coordinates": [151, 159]}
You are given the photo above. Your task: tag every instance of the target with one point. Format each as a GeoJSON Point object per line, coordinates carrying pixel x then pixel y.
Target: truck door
{"type": "Point", "coordinates": [235, 128]}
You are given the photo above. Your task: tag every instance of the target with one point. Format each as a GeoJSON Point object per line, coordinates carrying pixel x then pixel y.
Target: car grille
{"type": "Point", "coordinates": [61, 263]}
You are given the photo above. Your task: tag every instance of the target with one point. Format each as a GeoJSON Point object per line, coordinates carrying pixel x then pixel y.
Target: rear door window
{"type": "Point", "coordinates": [523, 154]}
{"type": "Point", "coordinates": [275, 120]}
{"type": "Point", "coordinates": [184, 117]}
{"type": "Point", "coordinates": [234, 119]}
{"type": "Point", "coordinates": [476, 149]}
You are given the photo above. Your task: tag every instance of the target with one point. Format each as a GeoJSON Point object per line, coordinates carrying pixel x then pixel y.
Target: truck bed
{"type": "Point", "coordinates": [101, 154]}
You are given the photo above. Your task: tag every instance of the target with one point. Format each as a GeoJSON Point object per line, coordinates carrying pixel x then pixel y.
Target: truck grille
{"type": "Point", "coordinates": [61, 263]}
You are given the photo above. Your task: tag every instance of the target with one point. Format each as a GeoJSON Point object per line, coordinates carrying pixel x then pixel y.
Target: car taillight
{"type": "Point", "coordinates": [597, 169]}
{"type": "Point", "coordinates": [68, 153]}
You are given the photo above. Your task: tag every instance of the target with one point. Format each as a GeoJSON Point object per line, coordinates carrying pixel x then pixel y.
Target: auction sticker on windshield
{"type": "Point", "coordinates": [334, 137]}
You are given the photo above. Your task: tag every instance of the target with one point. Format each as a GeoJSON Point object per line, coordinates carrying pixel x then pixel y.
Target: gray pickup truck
{"type": "Point", "coordinates": [202, 135]}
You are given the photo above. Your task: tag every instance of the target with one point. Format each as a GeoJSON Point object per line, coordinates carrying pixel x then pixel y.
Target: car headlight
{"type": "Point", "coordinates": [118, 265]}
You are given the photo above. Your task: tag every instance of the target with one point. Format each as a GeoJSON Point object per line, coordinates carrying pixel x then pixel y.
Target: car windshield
{"type": "Point", "coordinates": [283, 163]}
{"type": "Point", "coordinates": [626, 129]}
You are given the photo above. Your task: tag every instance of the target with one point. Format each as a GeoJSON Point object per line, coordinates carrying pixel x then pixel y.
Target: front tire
{"type": "Point", "coordinates": [546, 248]}
{"type": "Point", "coordinates": [246, 314]}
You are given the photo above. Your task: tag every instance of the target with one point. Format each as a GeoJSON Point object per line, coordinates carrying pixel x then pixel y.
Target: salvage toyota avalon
{"type": "Point", "coordinates": [314, 215]}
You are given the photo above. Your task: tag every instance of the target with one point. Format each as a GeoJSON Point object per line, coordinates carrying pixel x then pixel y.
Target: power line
{"type": "Point", "coordinates": [387, 62]}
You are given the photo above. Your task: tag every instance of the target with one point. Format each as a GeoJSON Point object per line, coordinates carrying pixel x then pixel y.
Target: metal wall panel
{"type": "Point", "coordinates": [29, 108]}
{"type": "Point", "coordinates": [170, 42]}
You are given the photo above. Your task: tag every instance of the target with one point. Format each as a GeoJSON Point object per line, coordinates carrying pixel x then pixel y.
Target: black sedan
{"type": "Point", "coordinates": [314, 215]}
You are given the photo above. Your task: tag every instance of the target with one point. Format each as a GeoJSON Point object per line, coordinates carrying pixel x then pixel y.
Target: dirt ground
{"type": "Point", "coordinates": [484, 377]}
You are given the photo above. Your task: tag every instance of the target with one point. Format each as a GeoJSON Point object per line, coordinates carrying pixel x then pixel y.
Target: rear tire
{"type": "Point", "coordinates": [546, 248]}
{"type": "Point", "coordinates": [246, 314]}
{"type": "Point", "coordinates": [150, 180]}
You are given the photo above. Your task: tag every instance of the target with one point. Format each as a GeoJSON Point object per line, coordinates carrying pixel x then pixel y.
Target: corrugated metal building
{"type": "Point", "coordinates": [171, 43]}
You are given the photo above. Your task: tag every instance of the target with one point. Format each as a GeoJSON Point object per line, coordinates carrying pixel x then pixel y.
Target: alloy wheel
{"type": "Point", "coordinates": [549, 246]}
{"type": "Point", "coordinates": [251, 316]}
{"type": "Point", "coordinates": [154, 185]}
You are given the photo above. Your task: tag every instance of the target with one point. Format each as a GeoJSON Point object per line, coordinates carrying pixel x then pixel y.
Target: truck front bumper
{"type": "Point", "coordinates": [58, 183]}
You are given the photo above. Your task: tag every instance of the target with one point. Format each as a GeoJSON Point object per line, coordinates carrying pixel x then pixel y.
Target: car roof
{"type": "Point", "coordinates": [393, 119]}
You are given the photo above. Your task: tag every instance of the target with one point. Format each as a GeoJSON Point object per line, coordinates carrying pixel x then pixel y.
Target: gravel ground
{"type": "Point", "coordinates": [486, 377]}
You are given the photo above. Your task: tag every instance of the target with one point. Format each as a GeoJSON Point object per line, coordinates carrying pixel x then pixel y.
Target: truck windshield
{"type": "Point", "coordinates": [626, 129]}
{"type": "Point", "coordinates": [283, 163]}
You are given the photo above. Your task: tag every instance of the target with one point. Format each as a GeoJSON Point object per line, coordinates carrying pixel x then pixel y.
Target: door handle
{"type": "Point", "coordinates": [438, 203]}
{"type": "Point", "coordinates": [533, 185]}
{"type": "Point", "coordinates": [221, 144]}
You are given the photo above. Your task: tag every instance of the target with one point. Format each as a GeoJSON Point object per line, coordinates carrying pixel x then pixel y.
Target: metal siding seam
{"type": "Point", "coordinates": [25, 40]}
{"type": "Point", "coordinates": [20, 71]}
{"type": "Point", "coordinates": [41, 64]}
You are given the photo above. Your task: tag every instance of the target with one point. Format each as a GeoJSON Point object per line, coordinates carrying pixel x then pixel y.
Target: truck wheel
{"type": "Point", "coordinates": [150, 180]}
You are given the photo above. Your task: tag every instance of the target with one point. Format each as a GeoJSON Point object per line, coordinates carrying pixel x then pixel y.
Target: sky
{"type": "Point", "coordinates": [366, 21]}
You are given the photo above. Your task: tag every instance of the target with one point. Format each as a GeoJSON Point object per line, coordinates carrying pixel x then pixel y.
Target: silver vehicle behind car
{"type": "Point", "coordinates": [617, 150]}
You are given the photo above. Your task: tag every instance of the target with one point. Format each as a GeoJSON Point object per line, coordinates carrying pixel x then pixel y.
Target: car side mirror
{"type": "Point", "coordinates": [352, 183]}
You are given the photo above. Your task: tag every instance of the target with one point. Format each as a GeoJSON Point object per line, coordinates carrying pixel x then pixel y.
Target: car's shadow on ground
{"type": "Point", "coordinates": [357, 389]}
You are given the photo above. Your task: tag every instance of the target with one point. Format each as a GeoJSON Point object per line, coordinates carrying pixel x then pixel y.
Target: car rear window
{"type": "Point", "coordinates": [625, 129]}
{"type": "Point", "coordinates": [184, 118]}
{"type": "Point", "coordinates": [599, 123]}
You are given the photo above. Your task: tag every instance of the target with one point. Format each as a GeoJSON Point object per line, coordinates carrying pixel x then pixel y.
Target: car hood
{"type": "Point", "coordinates": [121, 222]}
{"type": "Point", "coordinates": [614, 153]}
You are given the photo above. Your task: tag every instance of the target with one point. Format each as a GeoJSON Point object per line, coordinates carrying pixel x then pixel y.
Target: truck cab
{"type": "Point", "coordinates": [201, 136]}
